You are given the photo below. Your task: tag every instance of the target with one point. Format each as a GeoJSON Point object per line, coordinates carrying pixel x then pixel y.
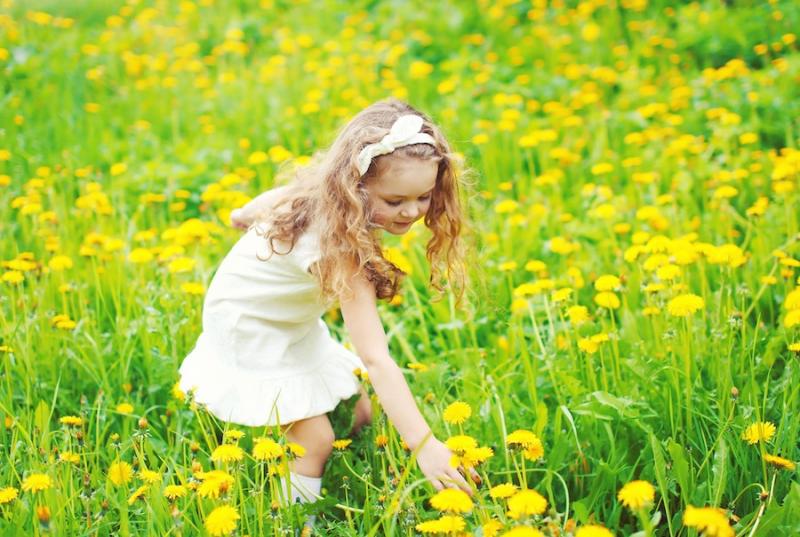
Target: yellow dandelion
{"type": "Point", "coordinates": [577, 314]}
{"type": "Point", "coordinates": [68, 456]}
{"type": "Point", "coordinates": [533, 451]}
{"type": "Point", "coordinates": [461, 443]}
{"type": "Point", "coordinates": [504, 490]}
{"type": "Point", "coordinates": [445, 524]}
{"type": "Point", "coordinates": [124, 408]}
{"type": "Point", "coordinates": [222, 521]}
{"type": "Point", "coordinates": [521, 438]}
{"type": "Point", "coordinates": [713, 521]}
{"type": "Point", "coordinates": [452, 501]}
{"type": "Point", "coordinates": [120, 472]}
{"type": "Point", "coordinates": [637, 494]}
{"type": "Point", "coordinates": [341, 444]}
{"type": "Point", "coordinates": [381, 440]}
{"type": "Point", "coordinates": [8, 495]}
{"type": "Point", "coordinates": [295, 449]}
{"type": "Point", "coordinates": [72, 421]}
{"type": "Point", "coordinates": [266, 449]}
{"type": "Point", "coordinates": [492, 528]}
{"type": "Point", "coordinates": [607, 299]}
{"type": "Point", "coordinates": [779, 462]}
{"type": "Point", "coordinates": [593, 530]}
{"type": "Point", "coordinates": [762, 431]}
{"type": "Point", "coordinates": [523, 531]}
{"type": "Point", "coordinates": [457, 413]}
{"type": "Point", "coordinates": [174, 491]}
{"type": "Point", "coordinates": [685, 305]}
{"type": "Point", "coordinates": [149, 476]}
{"type": "Point", "coordinates": [227, 453]}
{"type": "Point", "coordinates": [214, 483]}
{"type": "Point", "coordinates": [37, 483]}
{"type": "Point", "coordinates": [607, 282]}
{"type": "Point", "coordinates": [137, 494]}
{"type": "Point", "coordinates": [525, 503]}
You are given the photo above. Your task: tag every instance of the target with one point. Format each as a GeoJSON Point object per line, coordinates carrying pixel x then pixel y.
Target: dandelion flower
{"type": "Point", "coordinates": [222, 521]}
{"type": "Point", "coordinates": [124, 408]}
{"type": "Point", "coordinates": [525, 503]}
{"type": "Point", "coordinates": [577, 314]}
{"type": "Point", "coordinates": [452, 500]}
{"type": "Point", "coordinates": [227, 453]}
{"type": "Point", "coordinates": [72, 421]}
{"type": "Point", "coordinates": [521, 438]}
{"type": "Point", "coordinates": [120, 472]}
{"type": "Point", "coordinates": [685, 305]}
{"type": "Point", "coordinates": [445, 524]}
{"type": "Point", "coordinates": [37, 482]}
{"type": "Point", "coordinates": [712, 521]}
{"type": "Point", "coordinates": [607, 299]}
{"type": "Point", "coordinates": [8, 495]}
{"type": "Point", "coordinates": [761, 431]}
{"type": "Point", "coordinates": [637, 494]}
{"type": "Point", "coordinates": [214, 483]}
{"type": "Point", "coordinates": [68, 456]}
{"type": "Point", "coordinates": [533, 451]}
{"type": "Point", "coordinates": [174, 491]}
{"type": "Point", "coordinates": [523, 531]}
{"type": "Point", "coordinates": [779, 462]}
{"type": "Point", "coordinates": [607, 282]}
{"type": "Point", "coordinates": [504, 490]}
{"type": "Point", "coordinates": [295, 449]}
{"type": "Point", "coordinates": [457, 413]}
{"type": "Point", "coordinates": [137, 494]}
{"type": "Point", "coordinates": [233, 434]}
{"type": "Point", "coordinates": [593, 530]}
{"type": "Point", "coordinates": [149, 476]}
{"type": "Point", "coordinates": [266, 449]}
{"type": "Point", "coordinates": [342, 444]}
{"type": "Point", "coordinates": [461, 443]}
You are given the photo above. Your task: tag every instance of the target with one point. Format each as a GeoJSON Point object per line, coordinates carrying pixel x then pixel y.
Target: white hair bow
{"type": "Point", "coordinates": [405, 131]}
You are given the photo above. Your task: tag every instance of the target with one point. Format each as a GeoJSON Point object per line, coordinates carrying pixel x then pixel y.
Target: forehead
{"type": "Point", "coordinates": [406, 177]}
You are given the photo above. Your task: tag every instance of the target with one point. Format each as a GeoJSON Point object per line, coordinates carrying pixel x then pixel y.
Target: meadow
{"type": "Point", "coordinates": [627, 362]}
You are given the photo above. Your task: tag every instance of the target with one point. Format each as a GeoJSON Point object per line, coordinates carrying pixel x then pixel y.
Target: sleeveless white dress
{"type": "Point", "coordinates": [265, 356]}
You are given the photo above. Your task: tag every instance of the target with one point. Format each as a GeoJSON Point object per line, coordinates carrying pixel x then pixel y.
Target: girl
{"type": "Point", "coordinates": [264, 356]}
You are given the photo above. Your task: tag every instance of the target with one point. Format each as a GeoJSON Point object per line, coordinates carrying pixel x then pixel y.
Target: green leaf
{"type": "Point", "coordinates": [680, 469]}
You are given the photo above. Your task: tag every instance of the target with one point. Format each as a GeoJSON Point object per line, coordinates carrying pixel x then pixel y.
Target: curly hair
{"type": "Point", "coordinates": [331, 193]}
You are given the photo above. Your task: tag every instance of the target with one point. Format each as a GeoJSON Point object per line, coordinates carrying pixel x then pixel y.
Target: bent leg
{"type": "Point", "coordinates": [363, 411]}
{"type": "Point", "coordinates": [316, 436]}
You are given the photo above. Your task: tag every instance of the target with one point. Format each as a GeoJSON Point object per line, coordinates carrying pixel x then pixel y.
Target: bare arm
{"type": "Point", "coordinates": [361, 319]}
{"type": "Point", "coordinates": [242, 218]}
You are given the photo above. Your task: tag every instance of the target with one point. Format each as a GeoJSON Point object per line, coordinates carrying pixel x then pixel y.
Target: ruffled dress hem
{"type": "Point", "coordinates": [245, 398]}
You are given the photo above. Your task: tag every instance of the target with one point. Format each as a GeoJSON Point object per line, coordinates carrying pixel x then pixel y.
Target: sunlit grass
{"type": "Point", "coordinates": [629, 357]}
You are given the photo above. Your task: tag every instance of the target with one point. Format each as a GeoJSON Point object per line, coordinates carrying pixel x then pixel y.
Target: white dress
{"type": "Point", "coordinates": [265, 356]}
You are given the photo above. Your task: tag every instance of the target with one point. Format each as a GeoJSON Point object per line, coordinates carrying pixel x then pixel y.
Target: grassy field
{"type": "Point", "coordinates": [629, 364]}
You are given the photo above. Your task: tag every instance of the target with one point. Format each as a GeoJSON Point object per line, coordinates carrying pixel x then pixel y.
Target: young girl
{"type": "Point", "coordinates": [264, 356]}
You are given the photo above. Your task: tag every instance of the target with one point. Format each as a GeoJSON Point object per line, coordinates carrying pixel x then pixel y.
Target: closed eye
{"type": "Point", "coordinates": [426, 197]}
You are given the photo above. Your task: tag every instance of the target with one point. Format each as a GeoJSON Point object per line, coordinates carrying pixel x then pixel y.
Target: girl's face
{"type": "Point", "coordinates": [402, 193]}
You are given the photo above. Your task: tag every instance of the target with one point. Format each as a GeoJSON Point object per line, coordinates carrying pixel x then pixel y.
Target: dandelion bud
{"type": "Point", "coordinates": [143, 423]}
{"type": "Point", "coordinates": [194, 447]}
{"type": "Point", "coordinates": [114, 437]}
{"type": "Point", "coordinates": [734, 393]}
{"type": "Point", "coordinates": [763, 495]}
{"type": "Point", "coordinates": [43, 514]}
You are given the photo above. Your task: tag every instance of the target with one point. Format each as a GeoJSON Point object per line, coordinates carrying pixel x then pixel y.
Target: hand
{"type": "Point", "coordinates": [433, 459]}
{"type": "Point", "coordinates": [238, 220]}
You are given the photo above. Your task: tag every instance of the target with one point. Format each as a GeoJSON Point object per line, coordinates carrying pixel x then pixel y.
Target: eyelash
{"type": "Point", "coordinates": [426, 197]}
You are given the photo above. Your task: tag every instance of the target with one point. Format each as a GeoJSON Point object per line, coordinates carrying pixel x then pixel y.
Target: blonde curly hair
{"type": "Point", "coordinates": [330, 192]}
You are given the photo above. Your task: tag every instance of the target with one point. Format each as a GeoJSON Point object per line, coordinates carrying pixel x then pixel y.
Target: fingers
{"type": "Point", "coordinates": [455, 480]}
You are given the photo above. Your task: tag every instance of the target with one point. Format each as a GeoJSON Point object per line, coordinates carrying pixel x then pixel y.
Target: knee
{"type": "Point", "coordinates": [315, 435]}
{"type": "Point", "coordinates": [363, 412]}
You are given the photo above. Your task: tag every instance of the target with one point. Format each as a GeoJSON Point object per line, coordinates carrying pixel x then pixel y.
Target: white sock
{"type": "Point", "coordinates": [304, 488]}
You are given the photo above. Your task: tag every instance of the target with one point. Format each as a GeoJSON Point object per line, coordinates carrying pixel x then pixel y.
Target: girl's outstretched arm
{"type": "Point", "coordinates": [361, 319]}
{"type": "Point", "coordinates": [242, 218]}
